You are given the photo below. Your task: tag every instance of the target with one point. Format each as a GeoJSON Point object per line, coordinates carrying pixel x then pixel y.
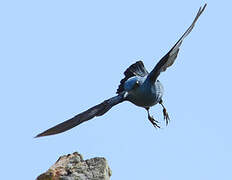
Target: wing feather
{"type": "Point", "coordinates": [136, 69]}
{"type": "Point", "coordinates": [97, 110]}
{"type": "Point", "coordinates": [170, 57]}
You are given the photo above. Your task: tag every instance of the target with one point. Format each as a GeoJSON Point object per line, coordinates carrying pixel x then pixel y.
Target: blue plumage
{"type": "Point", "coordinates": [138, 86]}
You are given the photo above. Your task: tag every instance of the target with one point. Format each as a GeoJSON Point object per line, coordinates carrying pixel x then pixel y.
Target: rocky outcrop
{"type": "Point", "coordinates": [73, 167]}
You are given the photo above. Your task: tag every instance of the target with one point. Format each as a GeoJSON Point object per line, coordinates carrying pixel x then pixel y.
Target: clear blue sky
{"type": "Point", "coordinates": [58, 58]}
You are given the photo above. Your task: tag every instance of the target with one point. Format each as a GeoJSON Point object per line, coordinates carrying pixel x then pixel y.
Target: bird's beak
{"type": "Point", "coordinates": [125, 95]}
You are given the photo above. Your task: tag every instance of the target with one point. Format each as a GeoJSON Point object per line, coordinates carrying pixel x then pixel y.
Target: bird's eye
{"type": "Point", "coordinates": [136, 85]}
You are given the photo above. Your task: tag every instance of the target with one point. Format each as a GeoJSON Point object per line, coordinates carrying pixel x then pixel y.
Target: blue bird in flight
{"type": "Point", "coordinates": [138, 87]}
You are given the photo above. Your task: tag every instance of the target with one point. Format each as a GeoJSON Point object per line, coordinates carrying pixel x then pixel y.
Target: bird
{"type": "Point", "coordinates": [139, 87]}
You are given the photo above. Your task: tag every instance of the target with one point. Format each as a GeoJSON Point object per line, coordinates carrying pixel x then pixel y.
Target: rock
{"type": "Point", "coordinates": [73, 167]}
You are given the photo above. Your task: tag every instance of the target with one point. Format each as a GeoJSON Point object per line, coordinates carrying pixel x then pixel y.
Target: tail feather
{"type": "Point", "coordinates": [97, 110]}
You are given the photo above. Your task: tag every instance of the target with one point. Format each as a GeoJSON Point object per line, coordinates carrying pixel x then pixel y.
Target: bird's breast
{"type": "Point", "coordinates": [146, 95]}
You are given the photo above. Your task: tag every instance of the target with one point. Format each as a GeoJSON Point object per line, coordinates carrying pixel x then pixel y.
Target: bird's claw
{"type": "Point", "coordinates": [166, 116]}
{"type": "Point", "coordinates": [154, 122]}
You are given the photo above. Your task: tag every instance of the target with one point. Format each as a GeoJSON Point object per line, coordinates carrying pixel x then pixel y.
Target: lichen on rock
{"type": "Point", "coordinates": [73, 167]}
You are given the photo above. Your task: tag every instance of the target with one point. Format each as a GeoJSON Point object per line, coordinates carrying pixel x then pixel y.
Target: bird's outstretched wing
{"type": "Point", "coordinates": [170, 57]}
{"type": "Point", "coordinates": [97, 110]}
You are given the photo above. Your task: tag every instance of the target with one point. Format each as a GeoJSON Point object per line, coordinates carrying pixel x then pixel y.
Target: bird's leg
{"type": "Point", "coordinates": [165, 113]}
{"type": "Point", "coordinates": [152, 120]}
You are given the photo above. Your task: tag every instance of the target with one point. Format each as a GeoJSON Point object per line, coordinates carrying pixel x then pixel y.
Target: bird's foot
{"type": "Point", "coordinates": [153, 121]}
{"type": "Point", "coordinates": [165, 113]}
{"type": "Point", "coordinates": [166, 116]}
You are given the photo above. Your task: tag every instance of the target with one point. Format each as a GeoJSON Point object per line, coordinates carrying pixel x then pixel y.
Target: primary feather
{"type": "Point", "coordinates": [97, 110]}
{"type": "Point", "coordinates": [169, 58]}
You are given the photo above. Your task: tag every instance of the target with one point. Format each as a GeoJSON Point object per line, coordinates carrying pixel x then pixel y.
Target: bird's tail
{"type": "Point", "coordinates": [97, 110]}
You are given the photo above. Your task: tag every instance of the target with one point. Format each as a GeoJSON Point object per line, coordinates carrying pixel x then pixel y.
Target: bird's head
{"type": "Point", "coordinates": [131, 84]}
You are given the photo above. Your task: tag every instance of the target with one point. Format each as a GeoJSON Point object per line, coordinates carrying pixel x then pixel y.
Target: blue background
{"type": "Point", "coordinates": [58, 58]}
